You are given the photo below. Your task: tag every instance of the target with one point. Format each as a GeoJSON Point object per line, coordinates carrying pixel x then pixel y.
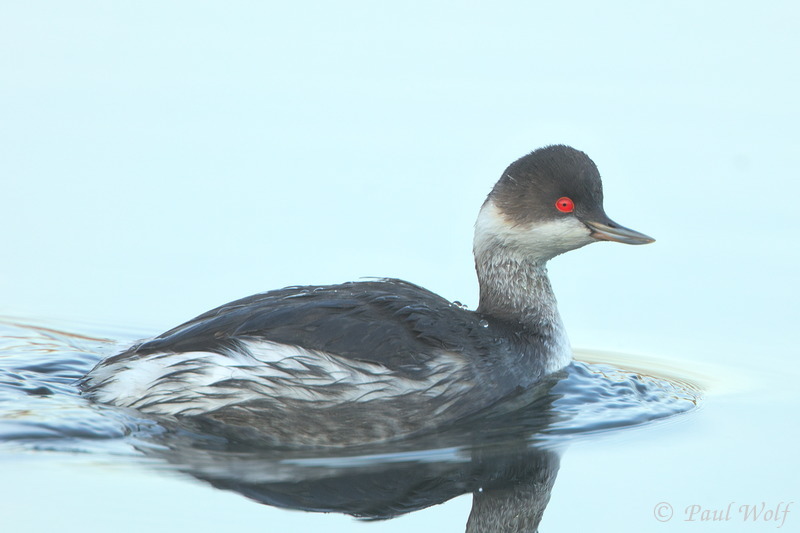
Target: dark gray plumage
{"type": "Point", "coordinates": [388, 322]}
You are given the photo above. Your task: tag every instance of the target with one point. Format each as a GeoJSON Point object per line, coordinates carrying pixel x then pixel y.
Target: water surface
{"type": "Point", "coordinates": [507, 456]}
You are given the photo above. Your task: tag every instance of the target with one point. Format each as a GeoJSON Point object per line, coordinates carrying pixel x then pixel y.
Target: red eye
{"type": "Point", "coordinates": [565, 205]}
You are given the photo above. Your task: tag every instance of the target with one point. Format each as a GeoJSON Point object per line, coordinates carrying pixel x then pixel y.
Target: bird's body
{"type": "Point", "coordinates": [366, 361]}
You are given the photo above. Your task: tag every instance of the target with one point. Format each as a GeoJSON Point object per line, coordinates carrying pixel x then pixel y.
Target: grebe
{"type": "Point", "coordinates": [367, 361]}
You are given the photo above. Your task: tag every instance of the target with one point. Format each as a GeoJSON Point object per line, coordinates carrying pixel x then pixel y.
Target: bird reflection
{"type": "Point", "coordinates": [497, 455]}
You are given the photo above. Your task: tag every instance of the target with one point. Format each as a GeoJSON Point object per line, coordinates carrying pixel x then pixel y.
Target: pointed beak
{"type": "Point", "coordinates": [611, 231]}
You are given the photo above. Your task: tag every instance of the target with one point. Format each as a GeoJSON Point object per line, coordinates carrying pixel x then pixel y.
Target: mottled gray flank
{"type": "Point", "coordinates": [239, 369]}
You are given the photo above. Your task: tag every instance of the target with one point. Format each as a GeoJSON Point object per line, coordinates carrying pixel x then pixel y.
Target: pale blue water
{"type": "Point", "coordinates": [508, 455]}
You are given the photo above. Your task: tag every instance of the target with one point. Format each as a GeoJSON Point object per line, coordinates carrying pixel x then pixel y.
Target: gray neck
{"type": "Point", "coordinates": [517, 290]}
{"type": "Point", "coordinates": [514, 287]}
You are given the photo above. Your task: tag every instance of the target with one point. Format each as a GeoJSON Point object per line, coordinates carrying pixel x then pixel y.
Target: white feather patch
{"type": "Point", "coordinates": [193, 383]}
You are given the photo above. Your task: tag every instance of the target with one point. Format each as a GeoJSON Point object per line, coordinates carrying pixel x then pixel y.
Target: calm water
{"type": "Point", "coordinates": [507, 458]}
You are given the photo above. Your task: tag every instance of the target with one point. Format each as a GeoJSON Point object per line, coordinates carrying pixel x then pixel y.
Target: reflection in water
{"type": "Point", "coordinates": [510, 476]}
{"type": "Point", "coordinates": [507, 456]}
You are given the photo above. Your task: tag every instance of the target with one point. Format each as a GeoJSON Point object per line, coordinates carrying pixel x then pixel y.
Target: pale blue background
{"type": "Point", "coordinates": [160, 158]}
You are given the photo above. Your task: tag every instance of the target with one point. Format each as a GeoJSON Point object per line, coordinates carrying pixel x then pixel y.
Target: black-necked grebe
{"type": "Point", "coordinates": [368, 361]}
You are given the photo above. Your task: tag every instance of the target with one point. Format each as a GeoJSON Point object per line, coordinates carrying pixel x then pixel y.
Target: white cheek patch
{"type": "Point", "coordinates": [541, 241]}
{"type": "Point", "coordinates": [556, 237]}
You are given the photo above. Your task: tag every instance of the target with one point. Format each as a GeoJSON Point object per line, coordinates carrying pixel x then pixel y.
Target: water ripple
{"type": "Point", "coordinates": [41, 408]}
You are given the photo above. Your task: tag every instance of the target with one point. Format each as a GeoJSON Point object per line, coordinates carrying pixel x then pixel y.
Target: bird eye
{"type": "Point", "coordinates": [565, 205]}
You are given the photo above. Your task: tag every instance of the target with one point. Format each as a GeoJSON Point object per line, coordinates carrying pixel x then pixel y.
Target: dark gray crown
{"type": "Point", "coordinates": [528, 190]}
